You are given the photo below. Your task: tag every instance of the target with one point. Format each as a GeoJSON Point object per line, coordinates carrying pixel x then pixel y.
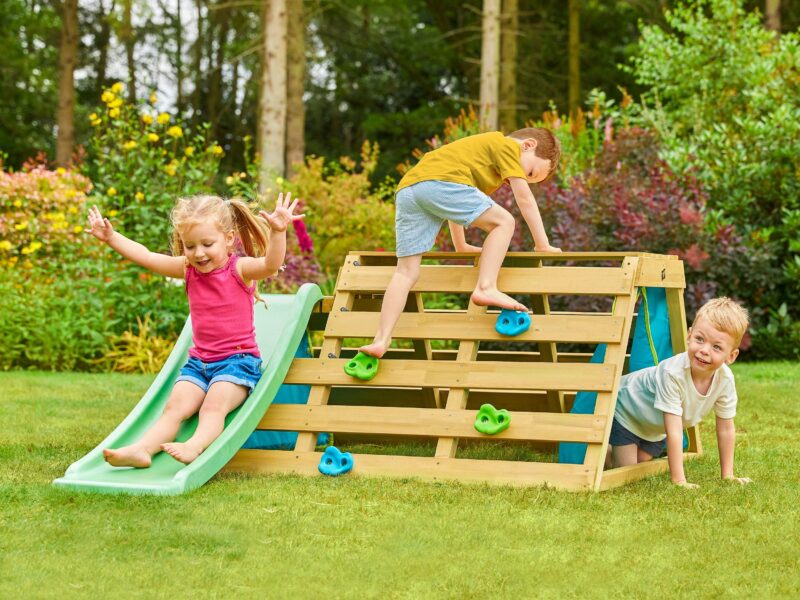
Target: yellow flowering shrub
{"type": "Point", "coordinates": [42, 213]}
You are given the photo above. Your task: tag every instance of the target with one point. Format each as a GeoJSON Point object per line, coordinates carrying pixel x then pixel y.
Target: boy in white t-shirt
{"type": "Point", "coordinates": [654, 405]}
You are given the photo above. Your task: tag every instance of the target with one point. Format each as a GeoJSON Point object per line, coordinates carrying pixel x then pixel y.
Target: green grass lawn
{"type": "Point", "coordinates": [295, 537]}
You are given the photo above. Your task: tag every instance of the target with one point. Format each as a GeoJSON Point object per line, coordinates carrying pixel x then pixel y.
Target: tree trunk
{"type": "Point", "coordinates": [127, 38]}
{"type": "Point", "coordinates": [221, 19]}
{"type": "Point", "coordinates": [272, 104]}
{"type": "Point", "coordinates": [67, 60]}
{"type": "Point", "coordinates": [772, 15]}
{"type": "Point", "coordinates": [295, 85]}
{"type": "Point", "coordinates": [490, 62]}
{"type": "Point", "coordinates": [574, 56]}
{"type": "Point", "coordinates": [101, 41]}
{"type": "Point", "coordinates": [508, 65]}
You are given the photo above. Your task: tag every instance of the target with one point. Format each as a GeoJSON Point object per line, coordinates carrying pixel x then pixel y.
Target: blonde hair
{"type": "Point", "coordinates": [726, 315]}
{"type": "Point", "coordinates": [548, 145]}
{"type": "Point", "coordinates": [228, 215]}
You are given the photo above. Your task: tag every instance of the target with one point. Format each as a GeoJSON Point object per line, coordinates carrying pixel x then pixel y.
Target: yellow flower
{"type": "Point", "coordinates": [113, 113]}
{"type": "Point", "coordinates": [163, 119]}
{"type": "Point", "coordinates": [77, 229]}
{"type": "Point", "coordinates": [175, 131]}
{"type": "Point", "coordinates": [153, 98]}
{"type": "Point", "coordinates": [70, 193]}
{"type": "Point", "coordinates": [116, 103]}
{"type": "Point", "coordinates": [21, 226]}
{"type": "Point", "coordinates": [96, 122]}
{"type": "Point", "coordinates": [112, 191]}
{"type": "Point", "coordinates": [130, 145]}
{"type": "Point", "coordinates": [112, 213]}
{"type": "Point", "coordinates": [189, 151]}
{"type": "Point", "coordinates": [107, 96]}
{"type": "Point", "coordinates": [93, 116]}
{"type": "Point", "coordinates": [147, 119]}
{"type": "Point", "coordinates": [73, 210]}
{"type": "Point", "coordinates": [17, 203]}
{"type": "Point", "coordinates": [153, 137]}
{"type": "Point", "coordinates": [229, 180]}
{"type": "Point", "coordinates": [170, 170]}
{"type": "Point", "coordinates": [117, 87]}
{"type": "Point", "coordinates": [61, 170]}
{"type": "Point", "coordinates": [35, 246]}
{"type": "Point", "coordinates": [216, 149]}
{"type": "Point", "coordinates": [5, 245]}
{"type": "Point", "coordinates": [139, 196]}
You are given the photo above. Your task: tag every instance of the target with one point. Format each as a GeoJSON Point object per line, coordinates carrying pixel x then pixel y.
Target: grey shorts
{"type": "Point", "coordinates": [423, 207]}
{"type": "Point", "coordinates": [621, 436]}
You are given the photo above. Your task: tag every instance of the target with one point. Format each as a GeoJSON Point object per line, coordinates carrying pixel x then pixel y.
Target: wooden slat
{"type": "Point", "coordinates": [511, 280]}
{"type": "Point", "coordinates": [460, 326]}
{"type": "Point", "coordinates": [661, 271]}
{"type": "Point", "coordinates": [429, 422]}
{"type": "Point", "coordinates": [566, 477]}
{"type": "Point", "coordinates": [621, 475]}
{"type": "Point", "coordinates": [449, 374]}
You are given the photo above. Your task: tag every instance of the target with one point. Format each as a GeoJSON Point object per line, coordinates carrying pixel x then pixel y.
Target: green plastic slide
{"type": "Point", "coordinates": [279, 329]}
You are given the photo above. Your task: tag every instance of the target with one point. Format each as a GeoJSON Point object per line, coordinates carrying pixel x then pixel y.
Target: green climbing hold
{"type": "Point", "coordinates": [490, 420]}
{"type": "Point", "coordinates": [362, 366]}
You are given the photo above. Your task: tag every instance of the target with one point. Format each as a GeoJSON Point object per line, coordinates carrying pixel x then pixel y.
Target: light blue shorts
{"type": "Point", "coordinates": [423, 207]}
{"type": "Point", "coordinates": [241, 369]}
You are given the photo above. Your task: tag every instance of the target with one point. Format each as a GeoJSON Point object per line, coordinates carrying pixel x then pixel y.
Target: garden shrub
{"type": "Point", "coordinates": [724, 97]}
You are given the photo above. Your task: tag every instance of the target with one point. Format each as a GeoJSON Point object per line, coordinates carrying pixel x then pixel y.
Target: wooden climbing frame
{"type": "Point", "coordinates": [422, 393]}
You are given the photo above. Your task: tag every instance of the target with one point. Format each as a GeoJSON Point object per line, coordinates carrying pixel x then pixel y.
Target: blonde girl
{"type": "Point", "coordinates": [224, 362]}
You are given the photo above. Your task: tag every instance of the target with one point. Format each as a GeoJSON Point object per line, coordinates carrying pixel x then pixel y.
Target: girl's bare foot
{"type": "Point", "coordinates": [497, 298]}
{"type": "Point", "coordinates": [129, 456]}
{"type": "Point", "coordinates": [376, 349]}
{"type": "Point", "coordinates": [183, 452]}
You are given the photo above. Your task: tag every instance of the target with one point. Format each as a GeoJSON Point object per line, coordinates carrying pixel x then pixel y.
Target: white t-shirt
{"type": "Point", "coordinates": [645, 396]}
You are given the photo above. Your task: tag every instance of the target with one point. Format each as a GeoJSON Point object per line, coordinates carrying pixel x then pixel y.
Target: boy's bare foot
{"type": "Point", "coordinates": [181, 451]}
{"type": "Point", "coordinates": [129, 456]}
{"type": "Point", "coordinates": [496, 298]}
{"type": "Point", "coordinates": [375, 349]}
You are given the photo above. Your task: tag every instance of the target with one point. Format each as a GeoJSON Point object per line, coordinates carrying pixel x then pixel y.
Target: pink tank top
{"type": "Point", "coordinates": [222, 313]}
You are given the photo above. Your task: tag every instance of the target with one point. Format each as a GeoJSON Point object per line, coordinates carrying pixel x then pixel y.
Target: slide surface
{"type": "Point", "coordinates": [279, 330]}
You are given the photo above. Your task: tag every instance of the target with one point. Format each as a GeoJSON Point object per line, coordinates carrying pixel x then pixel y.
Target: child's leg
{"type": "Point", "coordinates": [394, 301]}
{"type": "Point", "coordinates": [184, 401]}
{"type": "Point", "coordinates": [499, 225]}
{"type": "Point", "coordinates": [222, 398]}
{"type": "Point", "coordinates": [622, 456]}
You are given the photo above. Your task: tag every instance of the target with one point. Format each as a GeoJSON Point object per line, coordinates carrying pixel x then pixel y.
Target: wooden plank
{"type": "Point", "coordinates": [566, 477]}
{"type": "Point", "coordinates": [614, 357]}
{"type": "Point", "coordinates": [534, 256]}
{"type": "Point", "coordinates": [456, 374]}
{"type": "Point", "coordinates": [422, 348]}
{"type": "Point", "coordinates": [429, 422]}
{"type": "Point", "coordinates": [545, 280]}
{"type": "Point", "coordinates": [661, 272]}
{"type": "Point", "coordinates": [621, 475]}
{"type": "Point", "coordinates": [460, 326]}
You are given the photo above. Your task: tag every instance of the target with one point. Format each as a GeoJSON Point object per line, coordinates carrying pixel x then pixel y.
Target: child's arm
{"type": "Point", "coordinates": [673, 424]}
{"type": "Point", "coordinates": [99, 227]}
{"type": "Point", "coordinates": [530, 212]}
{"type": "Point", "coordinates": [726, 440]}
{"type": "Point", "coordinates": [278, 221]}
{"type": "Point", "coordinates": [459, 239]}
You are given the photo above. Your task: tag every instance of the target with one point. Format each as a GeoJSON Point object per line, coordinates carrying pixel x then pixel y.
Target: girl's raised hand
{"type": "Point", "coordinates": [99, 227]}
{"type": "Point", "coordinates": [279, 219]}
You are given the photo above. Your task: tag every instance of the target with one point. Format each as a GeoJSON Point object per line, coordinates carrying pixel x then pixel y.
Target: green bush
{"type": "Point", "coordinates": [725, 99]}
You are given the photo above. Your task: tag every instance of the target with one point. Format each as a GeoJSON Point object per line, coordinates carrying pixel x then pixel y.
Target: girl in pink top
{"type": "Point", "coordinates": [224, 363]}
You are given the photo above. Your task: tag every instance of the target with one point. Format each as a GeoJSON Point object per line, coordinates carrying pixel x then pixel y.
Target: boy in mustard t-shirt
{"type": "Point", "coordinates": [452, 183]}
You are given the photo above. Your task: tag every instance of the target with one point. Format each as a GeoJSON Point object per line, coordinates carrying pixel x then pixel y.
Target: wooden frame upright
{"type": "Point", "coordinates": [423, 393]}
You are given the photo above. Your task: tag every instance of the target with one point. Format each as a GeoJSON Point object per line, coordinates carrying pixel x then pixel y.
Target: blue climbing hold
{"type": "Point", "coordinates": [335, 462]}
{"type": "Point", "coordinates": [512, 322]}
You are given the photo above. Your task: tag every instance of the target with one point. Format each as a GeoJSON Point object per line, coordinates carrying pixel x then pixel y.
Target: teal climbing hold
{"type": "Point", "coordinates": [362, 366]}
{"type": "Point", "coordinates": [490, 420]}
{"type": "Point", "coordinates": [335, 462]}
{"type": "Point", "coordinates": [512, 322]}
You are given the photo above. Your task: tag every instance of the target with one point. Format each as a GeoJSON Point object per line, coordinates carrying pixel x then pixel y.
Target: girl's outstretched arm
{"type": "Point", "coordinates": [101, 228]}
{"type": "Point", "coordinates": [278, 221]}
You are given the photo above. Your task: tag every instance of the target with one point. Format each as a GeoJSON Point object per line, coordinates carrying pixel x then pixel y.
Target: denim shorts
{"type": "Point", "coordinates": [241, 369]}
{"type": "Point", "coordinates": [620, 436]}
{"type": "Point", "coordinates": [423, 207]}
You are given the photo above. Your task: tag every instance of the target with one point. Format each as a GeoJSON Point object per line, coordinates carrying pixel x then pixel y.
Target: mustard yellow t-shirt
{"type": "Point", "coordinates": [483, 161]}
